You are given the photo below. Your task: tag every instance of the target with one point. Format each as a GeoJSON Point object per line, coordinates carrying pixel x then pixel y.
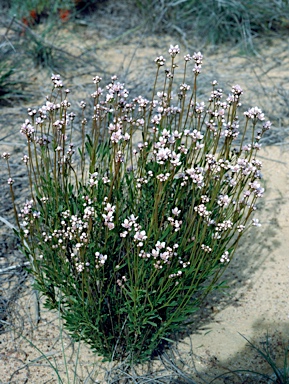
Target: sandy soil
{"type": "Point", "coordinates": [256, 301]}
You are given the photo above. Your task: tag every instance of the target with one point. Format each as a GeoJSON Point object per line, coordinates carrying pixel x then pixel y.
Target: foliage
{"type": "Point", "coordinates": [129, 229]}
{"type": "Point", "coordinates": [40, 50]}
{"type": "Point", "coordinates": [11, 88]}
{"type": "Point", "coordinates": [216, 20]}
{"type": "Point", "coordinates": [5, 79]}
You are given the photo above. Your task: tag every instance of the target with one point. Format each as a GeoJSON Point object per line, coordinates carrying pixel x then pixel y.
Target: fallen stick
{"type": "Point", "coordinates": [13, 267]}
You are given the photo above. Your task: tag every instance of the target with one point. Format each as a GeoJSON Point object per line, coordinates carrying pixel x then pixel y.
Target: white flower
{"type": "Point", "coordinates": [177, 224]}
{"type": "Point", "coordinates": [202, 210]}
{"type": "Point", "coordinates": [174, 50]}
{"type": "Point", "coordinates": [176, 211]}
{"type": "Point", "coordinates": [109, 208]}
{"type": "Point", "coordinates": [100, 259]}
{"type": "Point", "coordinates": [105, 180]}
{"type": "Point", "coordinates": [175, 159]}
{"type": "Point", "coordinates": [160, 60]}
{"type": "Point", "coordinates": [160, 245]}
{"type": "Point", "coordinates": [224, 200]}
{"type": "Point", "coordinates": [126, 137]}
{"type": "Point", "coordinates": [163, 177]}
{"type": "Point", "coordinates": [256, 223]}
{"type": "Point", "coordinates": [116, 136]}
{"type": "Point", "coordinates": [255, 113]}
{"type": "Point", "coordinates": [108, 217]}
{"type": "Point", "coordinates": [198, 57]}
{"type": "Point", "coordinates": [140, 235]}
{"type": "Point", "coordinates": [110, 226]}
{"type": "Point", "coordinates": [127, 224]}
{"type": "Point", "coordinates": [225, 257]}
{"type": "Point", "coordinates": [162, 155]}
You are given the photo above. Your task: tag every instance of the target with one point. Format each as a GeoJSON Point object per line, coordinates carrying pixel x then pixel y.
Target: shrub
{"type": "Point", "coordinates": [136, 212]}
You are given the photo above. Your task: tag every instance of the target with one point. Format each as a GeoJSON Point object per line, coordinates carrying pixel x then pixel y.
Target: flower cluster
{"type": "Point", "coordinates": [129, 224]}
{"type": "Point", "coordinates": [163, 254]}
{"type": "Point", "coordinates": [6, 155]}
{"type": "Point", "coordinates": [99, 259]}
{"type": "Point", "coordinates": [225, 257]}
{"type": "Point", "coordinates": [174, 222]}
{"type": "Point", "coordinates": [109, 215]}
{"type": "Point", "coordinates": [28, 216]}
{"type": "Point", "coordinates": [28, 130]}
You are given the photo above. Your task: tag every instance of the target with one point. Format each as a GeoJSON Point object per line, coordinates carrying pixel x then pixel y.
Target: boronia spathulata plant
{"type": "Point", "coordinates": [136, 211]}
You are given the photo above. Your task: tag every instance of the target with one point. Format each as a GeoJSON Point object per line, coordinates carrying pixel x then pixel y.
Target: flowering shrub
{"type": "Point", "coordinates": [131, 227]}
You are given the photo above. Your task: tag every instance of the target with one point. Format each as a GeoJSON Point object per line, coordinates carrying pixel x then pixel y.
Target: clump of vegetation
{"type": "Point", "coordinates": [136, 212]}
{"type": "Point", "coordinates": [10, 85]}
{"type": "Point", "coordinates": [213, 21]}
{"type": "Point", "coordinates": [218, 21]}
{"type": "Point", "coordinates": [5, 80]}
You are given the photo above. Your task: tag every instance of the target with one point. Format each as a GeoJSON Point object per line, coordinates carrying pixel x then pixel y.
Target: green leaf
{"type": "Point", "coordinates": [189, 246]}
{"type": "Point", "coordinates": [167, 339]}
{"type": "Point", "coordinates": [152, 323]}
